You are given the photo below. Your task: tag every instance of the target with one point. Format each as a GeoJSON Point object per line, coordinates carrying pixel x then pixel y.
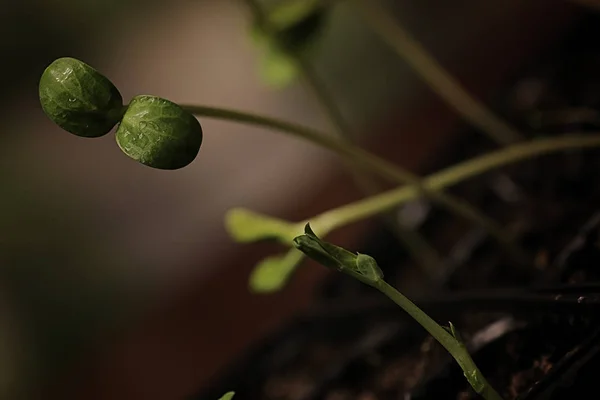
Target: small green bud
{"type": "Point", "coordinates": [359, 266]}
{"type": "Point", "coordinates": [159, 133]}
{"type": "Point", "coordinates": [79, 99]}
{"type": "Point", "coordinates": [451, 329]}
{"type": "Point", "coordinates": [367, 267]}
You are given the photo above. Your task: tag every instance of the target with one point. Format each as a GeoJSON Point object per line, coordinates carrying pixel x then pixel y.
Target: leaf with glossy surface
{"type": "Point", "coordinates": [79, 99]}
{"type": "Point", "coordinates": [159, 133]}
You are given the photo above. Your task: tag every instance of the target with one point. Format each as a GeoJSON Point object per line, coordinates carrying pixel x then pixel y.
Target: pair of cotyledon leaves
{"type": "Point", "coordinates": [151, 130]}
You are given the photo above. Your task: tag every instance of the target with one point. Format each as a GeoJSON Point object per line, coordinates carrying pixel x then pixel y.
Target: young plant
{"type": "Point", "coordinates": [273, 273]}
{"type": "Point", "coordinates": [365, 269]}
{"type": "Point", "coordinates": [162, 134]}
{"type": "Point", "coordinates": [289, 31]}
{"type": "Point", "coordinates": [152, 131]}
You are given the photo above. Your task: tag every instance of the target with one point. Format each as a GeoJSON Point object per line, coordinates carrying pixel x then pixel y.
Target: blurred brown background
{"type": "Point", "coordinates": [118, 281]}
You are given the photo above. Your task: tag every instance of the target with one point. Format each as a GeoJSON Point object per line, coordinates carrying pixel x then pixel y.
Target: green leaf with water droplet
{"type": "Point", "coordinates": [159, 133]}
{"type": "Point", "coordinates": [79, 99]}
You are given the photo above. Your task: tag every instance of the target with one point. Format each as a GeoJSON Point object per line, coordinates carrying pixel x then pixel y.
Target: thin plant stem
{"type": "Point", "coordinates": [445, 85]}
{"type": "Point", "coordinates": [365, 269]}
{"type": "Point", "coordinates": [416, 245]}
{"type": "Point", "coordinates": [330, 220]}
{"type": "Point", "coordinates": [369, 162]}
{"type": "Point", "coordinates": [353, 212]}
{"type": "Point", "coordinates": [456, 348]}
{"type": "Point", "coordinates": [454, 204]}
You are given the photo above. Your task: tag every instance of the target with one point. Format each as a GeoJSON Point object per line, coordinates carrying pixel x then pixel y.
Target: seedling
{"type": "Point", "coordinates": [365, 269]}
{"type": "Point", "coordinates": [153, 131]}
{"type": "Point", "coordinates": [274, 277]}
{"type": "Point", "coordinates": [162, 134]}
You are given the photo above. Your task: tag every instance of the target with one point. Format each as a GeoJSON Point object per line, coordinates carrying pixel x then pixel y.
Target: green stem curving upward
{"type": "Point", "coordinates": [367, 161]}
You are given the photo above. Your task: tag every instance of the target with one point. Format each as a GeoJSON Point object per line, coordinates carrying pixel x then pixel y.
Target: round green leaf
{"type": "Point", "coordinates": [79, 99]}
{"type": "Point", "coordinates": [159, 133]}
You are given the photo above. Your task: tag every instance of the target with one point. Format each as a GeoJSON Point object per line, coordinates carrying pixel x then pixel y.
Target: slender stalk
{"type": "Point", "coordinates": [367, 161]}
{"type": "Point", "coordinates": [446, 86]}
{"type": "Point", "coordinates": [455, 347]}
{"type": "Point", "coordinates": [416, 245]}
{"type": "Point", "coordinates": [365, 269]}
{"type": "Point", "coordinates": [280, 271]}
{"type": "Point", "coordinates": [330, 220]}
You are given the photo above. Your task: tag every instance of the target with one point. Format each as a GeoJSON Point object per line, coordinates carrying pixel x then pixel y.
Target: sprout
{"type": "Point", "coordinates": [365, 269]}
{"type": "Point", "coordinates": [359, 266]}
{"type": "Point", "coordinates": [79, 99]}
{"type": "Point", "coordinates": [159, 133]}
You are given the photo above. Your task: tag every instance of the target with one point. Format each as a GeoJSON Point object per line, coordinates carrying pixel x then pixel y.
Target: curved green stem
{"type": "Point", "coordinates": [446, 86]}
{"type": "Point", "coordinates": [454, 346]}
{"type": "Point", "coordinates": [365, 269]}
{"type": "Point", "coordinates": [414, 243]}
{"type": "Point", "coordinates": [367, 161]}
{"type": "Point", "coordinates": [330, 220]}
{"type": "Point", "coordinates": [279, 270]}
